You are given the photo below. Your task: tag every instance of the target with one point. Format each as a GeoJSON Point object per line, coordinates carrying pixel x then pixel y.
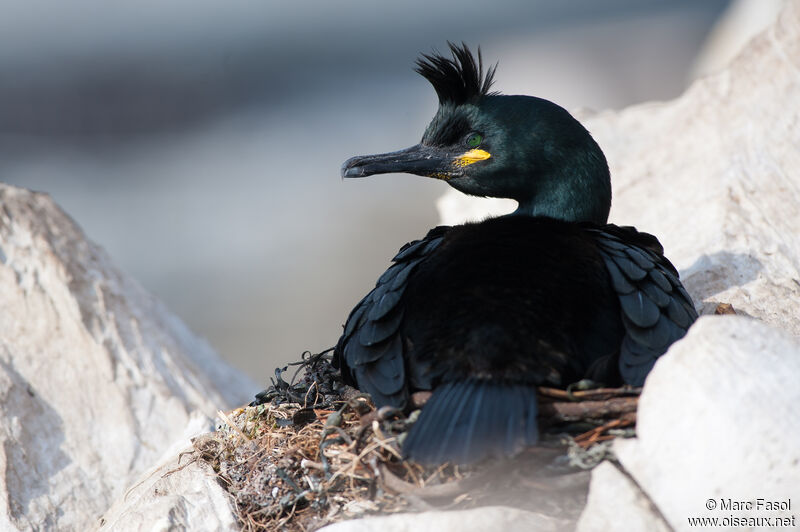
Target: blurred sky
{"type": "Point", "coordinates": [200, 142]}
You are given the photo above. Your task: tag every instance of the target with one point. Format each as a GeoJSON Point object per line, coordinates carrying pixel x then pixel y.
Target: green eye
{"type": "Point", "coordinates": [474, 140]}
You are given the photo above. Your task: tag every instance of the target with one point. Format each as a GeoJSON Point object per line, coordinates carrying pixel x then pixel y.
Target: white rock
{"type": "Point", "coordinates": [97, 378]}
{"type": "Point", "coordinates": [616, 503]}
{"type": "Point", "coordinates": [180, 494]}
{"type": "Point", "coordinates": [715, 175]}
{"type": "Point", "coordinates": [477, 520]}
{"type": "Point", "coordinates": [718, 419]}
{"type": "Point", "coordinates": [741, 21]}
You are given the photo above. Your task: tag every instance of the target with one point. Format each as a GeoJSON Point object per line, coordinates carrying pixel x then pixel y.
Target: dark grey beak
{"type": "Point", "coordinates": [420, 160]}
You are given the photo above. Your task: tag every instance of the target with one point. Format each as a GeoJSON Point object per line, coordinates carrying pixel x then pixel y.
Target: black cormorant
{"type": "Point", "coordinates": [483, 313]}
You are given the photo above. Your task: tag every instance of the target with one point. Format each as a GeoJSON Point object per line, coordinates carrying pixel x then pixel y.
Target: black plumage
{"type": "Point", "coordinates": [458, 80]}
{"type": "Point", "coordinates": [482, 313]}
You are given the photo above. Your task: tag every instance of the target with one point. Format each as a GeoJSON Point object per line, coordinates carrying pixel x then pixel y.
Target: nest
{"type": "Point", "coordinates": [315, 451]}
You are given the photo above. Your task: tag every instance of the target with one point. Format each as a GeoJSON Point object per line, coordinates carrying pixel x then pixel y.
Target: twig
{"type": "Point", "coordinates": [596, 434]}
{"type": "Point", "coordinates": [567, 411]}
{"type": "Point", "coordinates": [598, 394]}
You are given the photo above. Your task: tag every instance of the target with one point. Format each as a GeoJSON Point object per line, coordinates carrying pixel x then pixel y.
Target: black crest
{"type": "Point", "coordinates": [459, 79]}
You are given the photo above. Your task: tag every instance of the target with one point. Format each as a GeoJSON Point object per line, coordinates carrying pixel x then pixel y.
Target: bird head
{"type": "Point", "coordinates": [487, 144]}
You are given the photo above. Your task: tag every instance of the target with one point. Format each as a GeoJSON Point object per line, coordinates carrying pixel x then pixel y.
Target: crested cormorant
{"type": "Point", "coordinates": [483, 313]}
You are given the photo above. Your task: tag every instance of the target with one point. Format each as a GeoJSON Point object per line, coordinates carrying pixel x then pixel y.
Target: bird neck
{"type": "Point", "coordinates": [579, 197]}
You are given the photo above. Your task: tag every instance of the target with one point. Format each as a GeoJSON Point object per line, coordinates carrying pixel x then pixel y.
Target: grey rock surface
{"type": "Point", "coordinates": [180, 494]}
{"type": "Point", "coordinates": [718, 422]}
{"type": "Point", "coordinates": [97, 378]}
{"type": "Point", "coordinates": [616, 503]}
{"type": "Point", "coordinates": [476, 520]}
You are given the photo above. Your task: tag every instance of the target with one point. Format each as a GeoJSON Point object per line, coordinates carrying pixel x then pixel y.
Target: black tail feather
{"type": "Point", "coordinates": [430, 432]}
{"type": "Point", "coordinates": [466, 421]}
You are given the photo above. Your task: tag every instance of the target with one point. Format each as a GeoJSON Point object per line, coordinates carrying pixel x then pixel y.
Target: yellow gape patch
{"type": "Point", "coordinates": [472, 156]}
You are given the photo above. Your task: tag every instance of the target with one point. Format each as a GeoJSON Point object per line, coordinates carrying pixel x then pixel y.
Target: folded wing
{"type": "Point", "coordinates": [656, 309]}
{"type": "Point", "coordinates": [370, 351]}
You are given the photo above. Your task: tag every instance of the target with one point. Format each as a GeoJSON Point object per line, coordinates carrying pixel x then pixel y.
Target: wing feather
{"type": "Point", "coordinates": [370, 352]}
{"type": "Point", "coordinates": [656, 309]}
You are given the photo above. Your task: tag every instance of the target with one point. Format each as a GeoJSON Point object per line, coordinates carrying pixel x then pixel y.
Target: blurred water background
{"type": "Point", "coordinates": [200, 142]}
